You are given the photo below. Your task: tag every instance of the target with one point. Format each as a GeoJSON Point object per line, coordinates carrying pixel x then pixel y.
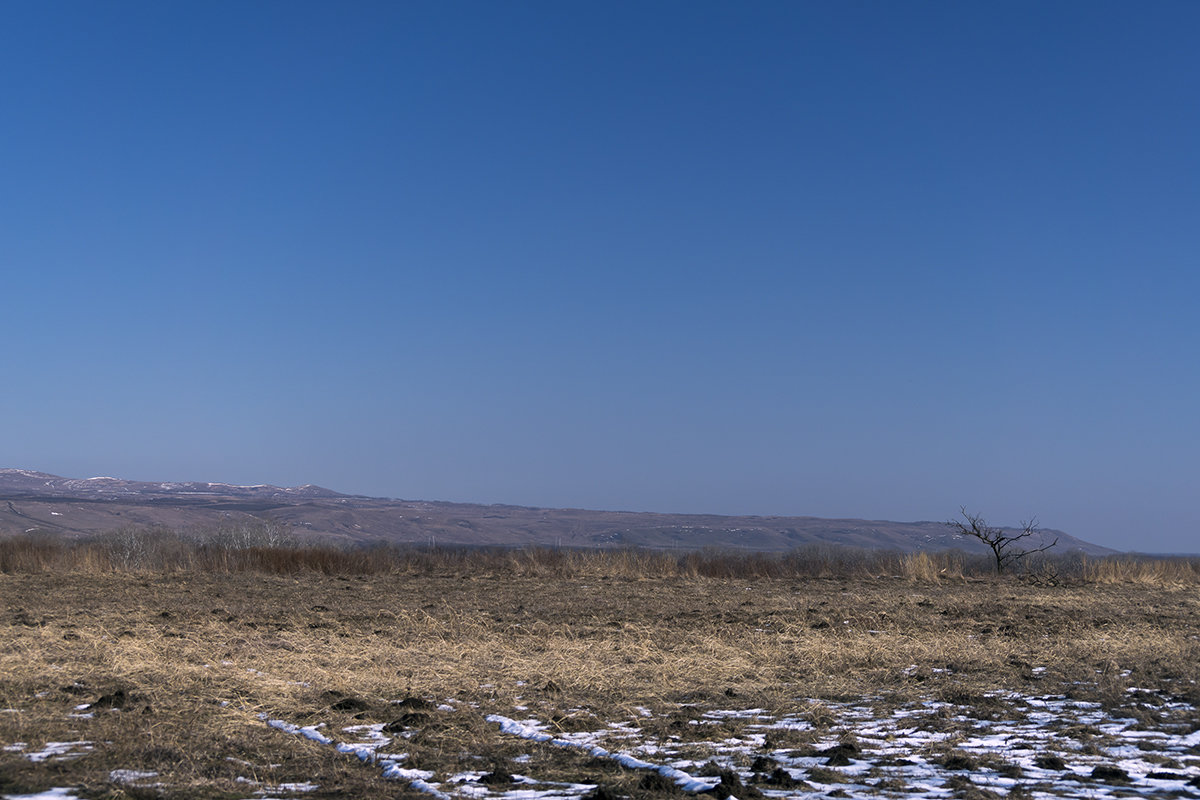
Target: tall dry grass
{"type": "Point", "coordinates": [266, 550]}
{"type": "Point", "coordinates": [932, 567]}
{"type": "Point", "coordinates": [1140, 569]}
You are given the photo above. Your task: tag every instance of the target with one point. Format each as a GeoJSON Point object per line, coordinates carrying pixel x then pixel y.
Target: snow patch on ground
{"type": "Point", "coordinates": [130, 776]}
{"type": "Point", "coordinates": [531, 729]}
{"type": "Point", "coordinates": [49, 794]}
{"type": "Point", "coordinates": [906, 752]}
{"type": "Point", "coordinates": [60, 751]}
{"type": "Point", "coordinates": [366, 752]}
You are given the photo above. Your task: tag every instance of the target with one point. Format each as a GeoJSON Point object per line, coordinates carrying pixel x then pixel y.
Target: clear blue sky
{"type": "Point", "coordinates": [825, 258]}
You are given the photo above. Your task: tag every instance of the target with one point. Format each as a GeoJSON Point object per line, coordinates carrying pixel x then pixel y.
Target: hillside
{"type": "Point", "coordinates": [39, 502]}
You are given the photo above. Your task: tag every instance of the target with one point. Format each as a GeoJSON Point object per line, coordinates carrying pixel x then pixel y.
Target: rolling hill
{"type": "Point", "coordinates": [33, 501]}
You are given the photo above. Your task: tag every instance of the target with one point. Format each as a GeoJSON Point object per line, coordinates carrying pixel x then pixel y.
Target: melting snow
{"type": "Point", "coordinates": [530, 730]}
{"type": "Point", "coordinates": [129, 776]}
{"type": "Point", "coordinates": [899, 757]}
{"type": "Point", "coordinates": [60, 751]}
{"type": "Point", "coordinates": [1046, 746]}
{"type": "Point", "coordinates": [365, 751]}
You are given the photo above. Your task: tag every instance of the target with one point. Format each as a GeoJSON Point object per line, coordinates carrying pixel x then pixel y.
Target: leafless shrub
{"type": "Point", "coordinates": [248, 534]}
{"type": "Point", "coordinates": [139, 549]}
{"type": "Point", "coordinates": [1001, 541]}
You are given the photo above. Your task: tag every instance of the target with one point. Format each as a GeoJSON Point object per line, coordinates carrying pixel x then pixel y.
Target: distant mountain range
{"type": "Point", "coordinates": [39, 502]}
{"type": "Point", "coordinates": [41, 483]}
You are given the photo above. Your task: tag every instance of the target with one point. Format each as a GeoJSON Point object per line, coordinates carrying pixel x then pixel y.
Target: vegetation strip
{"type": "Point", "coordinates": [266, 551]}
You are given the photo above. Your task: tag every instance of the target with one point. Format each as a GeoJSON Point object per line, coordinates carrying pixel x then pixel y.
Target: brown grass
{"type": "Point", "coordinates": [578, 638]}
{"type": "Point", "coordinates": [263, 551]}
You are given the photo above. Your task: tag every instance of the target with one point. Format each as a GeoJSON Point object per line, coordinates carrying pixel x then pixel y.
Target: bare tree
{"type": "Point", "coordinates": [245, 534]}
{"type": "Point", "coordinates": [1000, 541]}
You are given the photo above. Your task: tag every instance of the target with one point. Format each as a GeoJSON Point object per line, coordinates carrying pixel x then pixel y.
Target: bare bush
{"type": "Point", "coordinates": [1001, 541]}
{"type": "Point", "coordinates": [128, 549]}
{"type": "Point", "coordinates": [247, 534]}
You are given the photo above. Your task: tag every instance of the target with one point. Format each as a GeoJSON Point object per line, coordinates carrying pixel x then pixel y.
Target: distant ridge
{"type": "Point", "coordinates": [32, 501]}
{"type": "Point", "coordinates": [42, 483]}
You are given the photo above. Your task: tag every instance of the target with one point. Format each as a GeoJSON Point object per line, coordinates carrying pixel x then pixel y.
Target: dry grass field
{"type": "Point", "coordinates": [598, 676]}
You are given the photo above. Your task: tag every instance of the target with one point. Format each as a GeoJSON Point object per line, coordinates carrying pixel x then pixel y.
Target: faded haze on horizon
{"type": "Point", "coordinates": [867, 260]}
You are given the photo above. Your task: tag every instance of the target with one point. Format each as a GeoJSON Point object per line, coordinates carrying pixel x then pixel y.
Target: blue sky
{"type": "Point", "coordinates": [837, 259]}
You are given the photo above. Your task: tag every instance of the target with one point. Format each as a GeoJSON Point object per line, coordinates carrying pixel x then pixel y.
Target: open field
{"type": "Point", "coordinates": [600, 676]}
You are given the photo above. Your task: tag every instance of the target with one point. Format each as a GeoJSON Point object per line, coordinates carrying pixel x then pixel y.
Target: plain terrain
{"type": "Point", "coordinates": [174, 675]}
